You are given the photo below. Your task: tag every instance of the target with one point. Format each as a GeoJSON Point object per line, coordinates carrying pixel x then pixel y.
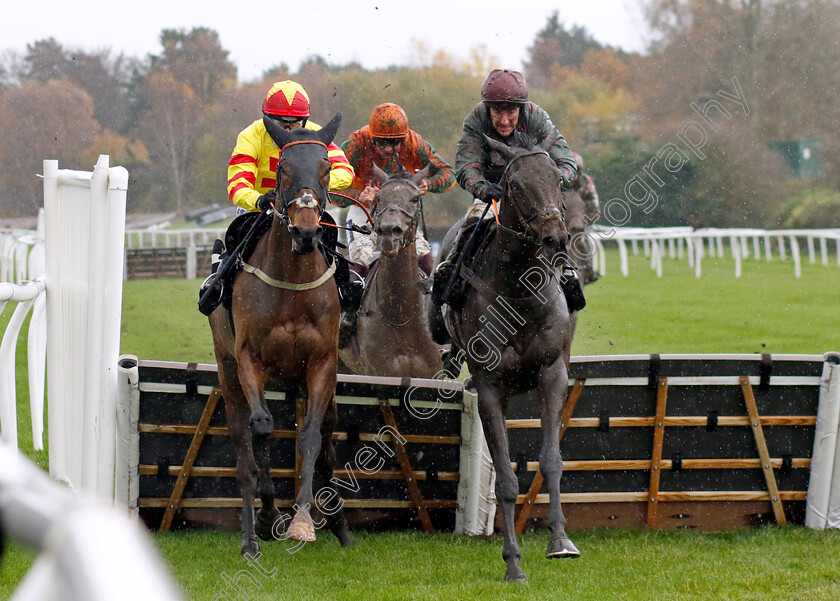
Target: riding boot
{"type": "Point", "coordinates": [212, 288]}
{"type": "Point", "coordinates": [445, 270]}
{"type": "Point", "coordinates": [572, 289]}
{"type": "Point", "coordinates": [425, 265]}
{"type": "Point", "coordinates": [350, 288]}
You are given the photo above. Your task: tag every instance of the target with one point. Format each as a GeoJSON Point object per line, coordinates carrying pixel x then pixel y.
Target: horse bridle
{"type": "Point", "coordinates": [549, 214]}
{"type": "Point", "coordinates": [307, 200]}
{"type": "Point", "coordinates": [378, 213]}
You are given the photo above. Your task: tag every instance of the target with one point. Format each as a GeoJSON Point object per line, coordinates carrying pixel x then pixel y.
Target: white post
{"type": "Point", "coordinates": [25, 296]}
{"type": "Point", "coordinates": [602, 258]}
{"type": "Point", "coordinates": [719, 242]}
{"type": "Point", "coordinates": [56, 365]}
{"type": "Point", "coordinates": [794, 253]}
{"type": "Point", "coordinates": [622, 255]}
{"type": "Point", "coordinates": [782, 254]}
{"type": "Point", "coordinates": [85, 223]}
{"type": "Point", "coordinates": [823, 456]}
{"type": "Point", "coordinates": [127, 458]}
{"type": "Point", "coordinates": [811, 254]}
{"type": "Point", "coordinates": [698, 259]}
{"type": "Point", "coordinates": [476, 496]}
{"type": "Point", "coordinates": [768, 251]}
{"type": "Point", "coordinates": [192, 268]}
{"type": "Point", "coordinates": [824, 250]}
{"type": "Point", "coordinates": [736, 254]}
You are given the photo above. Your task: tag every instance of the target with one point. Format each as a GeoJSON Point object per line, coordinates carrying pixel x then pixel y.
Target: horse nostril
{"type": "Point", "coordinates": [295, 231]}
{"type": "Point", "coordinates": [548, 241]}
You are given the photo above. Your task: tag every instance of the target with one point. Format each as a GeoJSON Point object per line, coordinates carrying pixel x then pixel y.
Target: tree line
{"type": "Point", "coordinates": [660, 132]}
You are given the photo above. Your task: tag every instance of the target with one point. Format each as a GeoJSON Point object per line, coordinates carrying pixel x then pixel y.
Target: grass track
{"type": "Point", "coordinates": [770, 563]}
{"type": "Point", "coordinates": [767, 310]}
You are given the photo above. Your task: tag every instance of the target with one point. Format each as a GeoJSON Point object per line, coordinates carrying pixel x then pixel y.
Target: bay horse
{"type": "Point", "coordinates": [283, 324]}
{"type": "Point", "coordinates": [392, 335]}
{"type": "Point", "coordinates": [514, 327]}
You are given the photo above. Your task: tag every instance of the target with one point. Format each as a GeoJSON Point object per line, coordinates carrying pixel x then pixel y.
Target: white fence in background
{"type": "Point", "coordinates": [22, 268]}
{"type": "Point", "coordinates": [694, 245]}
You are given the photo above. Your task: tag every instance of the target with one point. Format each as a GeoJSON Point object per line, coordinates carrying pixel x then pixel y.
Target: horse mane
{"type": "Point", "coordinates": [402, 174]}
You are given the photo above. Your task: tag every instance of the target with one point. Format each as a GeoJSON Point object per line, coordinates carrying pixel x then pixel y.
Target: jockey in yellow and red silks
{"type": "Point", "coordinates": [253, 162]}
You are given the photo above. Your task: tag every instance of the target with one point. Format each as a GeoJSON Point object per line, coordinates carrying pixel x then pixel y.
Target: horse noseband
{"type": "Point", "coordinates": [551, 214]}
{"type": "Point", "coordinates": [306, 201]}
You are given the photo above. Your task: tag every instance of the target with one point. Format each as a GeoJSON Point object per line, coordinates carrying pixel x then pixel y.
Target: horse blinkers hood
{"type": "Point", "coordinates": [306, 145]}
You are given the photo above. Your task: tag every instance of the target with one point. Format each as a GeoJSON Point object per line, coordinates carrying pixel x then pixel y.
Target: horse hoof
{"type": "Point", "coordinates": [261, 425]}
{"type": "Point", "coordinates": [562, 547]}
{"type": "Point", "coordinates": [302, 528]}
{"type": "Point", "coordinates": [250, 547]}
{"type": "Point", "coordinates": [264, 524]}
{"type": "Point", "coordinates": [346, 540]}
{"type": "Point", "coordinates": [515, 575]}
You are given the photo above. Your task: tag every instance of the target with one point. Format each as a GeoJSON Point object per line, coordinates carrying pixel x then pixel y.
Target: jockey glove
{"type": "Point", "coordinates": [265, 201]}
{"type": "Point", "coordinates": [487, 192]}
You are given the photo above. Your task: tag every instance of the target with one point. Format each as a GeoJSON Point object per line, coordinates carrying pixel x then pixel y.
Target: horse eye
{"type": "Point", "coordinates": [416, 199]}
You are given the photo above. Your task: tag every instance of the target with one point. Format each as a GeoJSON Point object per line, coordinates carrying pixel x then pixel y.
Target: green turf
{"type": "Point", "coordinates": [766, 310]}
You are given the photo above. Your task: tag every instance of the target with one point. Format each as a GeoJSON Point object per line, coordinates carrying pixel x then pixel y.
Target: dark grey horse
{"type": "Point", "coordinates": [514, 327]}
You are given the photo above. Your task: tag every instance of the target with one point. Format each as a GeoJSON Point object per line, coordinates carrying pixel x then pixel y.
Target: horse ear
{"type": "Point", "coordinates": [422, 174]}
{"type": "Point", "coordinates": [549, 141]}
{"type": "Point", "coordinates": [327, 133]}
{"type": "Point", "coordinates": [280, 136]}
{"type": "Point", "coordinates": [379, 174]}
{"type": "Point", "coordinates": [503, 149]}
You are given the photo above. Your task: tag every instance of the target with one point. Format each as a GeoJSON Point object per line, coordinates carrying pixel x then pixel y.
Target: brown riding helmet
{"type": "Point", "coordinates": [388, 121]}
{"type": "Point", "coordinates": [504, 85]}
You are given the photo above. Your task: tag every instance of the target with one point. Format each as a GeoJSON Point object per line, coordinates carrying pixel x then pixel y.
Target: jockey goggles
{"type": "Point", "coordinates": [287, 119]}
{"type": "Point", "coordinates": [392, 142]}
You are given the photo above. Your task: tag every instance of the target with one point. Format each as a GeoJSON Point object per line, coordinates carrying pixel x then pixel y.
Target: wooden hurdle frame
{"type": "Point", "coordinates": [654, 497]}
{"type": "Point", "coordinates": [395, 389]}
{"type": "Point", "coordinates": [656, 420]}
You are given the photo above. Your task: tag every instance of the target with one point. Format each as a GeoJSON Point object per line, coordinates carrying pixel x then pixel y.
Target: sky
{"type": "Point", "coordinates": [374, 33]}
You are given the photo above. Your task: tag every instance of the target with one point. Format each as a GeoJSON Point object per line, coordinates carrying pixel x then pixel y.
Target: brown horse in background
{"type": "Point", "coordinates": [515, 329]}
{"type": "Point", "coordinates": [392, 334]}
{"type": "Point", "coordinates": [283, 324]}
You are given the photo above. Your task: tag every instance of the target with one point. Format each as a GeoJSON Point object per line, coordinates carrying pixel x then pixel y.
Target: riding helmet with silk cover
{"type": "Point", "coordinates": [286, 98]}
{"type": "Point", "coordinates": [504, 85]}
{"type": "Point", "coordinates": [388, 121]}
